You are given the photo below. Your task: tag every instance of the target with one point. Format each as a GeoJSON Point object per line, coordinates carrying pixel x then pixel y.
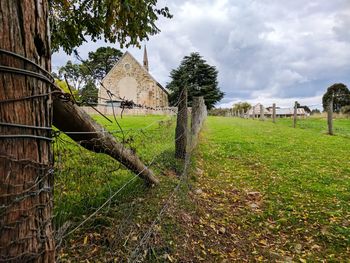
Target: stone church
{"type": "Point", "coordinates": [129, 80]}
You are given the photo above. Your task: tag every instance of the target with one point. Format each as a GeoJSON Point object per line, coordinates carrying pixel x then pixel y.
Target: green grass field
{"type": "Point", "coordinates": [318, 124]}
{"type": "Point", "coordinates": [84, 180]}
{"type": "Point", "coordinates": [303, 179]}
{"type": "Point", "coordinates": [257, 191]}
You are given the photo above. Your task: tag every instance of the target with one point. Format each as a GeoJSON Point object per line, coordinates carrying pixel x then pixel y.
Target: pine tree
{"type": "Point", "coordinates": [200, 79]}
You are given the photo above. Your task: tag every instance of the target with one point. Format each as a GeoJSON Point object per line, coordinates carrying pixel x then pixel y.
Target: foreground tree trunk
{"type": "Point", "coordinates": [68, 117]}
{"type": "Point", "coordinates": [26, 182]}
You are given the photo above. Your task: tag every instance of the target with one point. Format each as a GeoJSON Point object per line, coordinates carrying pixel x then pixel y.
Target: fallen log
{"type": "Point", "coordinates": [68, 117]}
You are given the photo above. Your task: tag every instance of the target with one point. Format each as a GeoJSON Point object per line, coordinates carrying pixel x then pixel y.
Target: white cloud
{"type": "Point", "coordinates": [264, 50]}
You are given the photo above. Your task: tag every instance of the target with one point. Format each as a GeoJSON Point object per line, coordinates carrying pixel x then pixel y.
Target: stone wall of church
{"type": "Point", "coordinates": [129, 80]}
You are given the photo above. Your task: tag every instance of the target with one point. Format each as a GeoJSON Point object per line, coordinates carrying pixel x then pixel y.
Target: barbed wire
{"type": "Point", "coordinates": [36, 188]}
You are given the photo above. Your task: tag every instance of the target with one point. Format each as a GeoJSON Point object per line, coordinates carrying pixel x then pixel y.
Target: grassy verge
{"type": "Point", "coordinates": [258, 191]}
{"type": "Point", "coordinates": [85, 180]}
{"type": "Point", "coordinates": [287, 190]}
{"type": "Point", "coordinates": [319, 125]}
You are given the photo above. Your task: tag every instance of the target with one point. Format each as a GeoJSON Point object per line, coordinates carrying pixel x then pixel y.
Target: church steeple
{"type": "Point", "coordinates": [145, 59]}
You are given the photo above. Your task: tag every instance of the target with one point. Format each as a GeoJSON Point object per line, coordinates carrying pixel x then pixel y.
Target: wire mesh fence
{"type": "Point", "coordinates": [97, 170]}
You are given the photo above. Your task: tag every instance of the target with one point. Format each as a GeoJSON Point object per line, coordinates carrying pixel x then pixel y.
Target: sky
{"type": "Point", "coordinates": [266, 51]}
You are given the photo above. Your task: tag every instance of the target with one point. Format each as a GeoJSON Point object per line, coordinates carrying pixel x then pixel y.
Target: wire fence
{"type": "Point", "coordinates": [300, 117]}
{"type": "Point", "coordinates": [89, 182]}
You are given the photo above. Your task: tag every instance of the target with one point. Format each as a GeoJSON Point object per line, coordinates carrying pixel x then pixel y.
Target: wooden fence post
{"type": "Point", "coordinates": [198, 115]}
{"type": "Point", "coordinates": [262, 117]}
{"type": "Point", "coordinates": [274, 113]}
{"type": "Point", "coordinates": [295, 114]}
{"type": "Point", "coordinates": [181, 126]}
{"type": "Point", "coordinates": [195, 115]}
{"type": "Point", "coordinates": [330, 117]}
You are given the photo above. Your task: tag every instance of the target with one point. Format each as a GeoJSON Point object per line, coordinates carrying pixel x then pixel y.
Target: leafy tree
{"type": "Point", "coordinates": [218, 112]}
{"type": "Point", "coordinates": [89, 94]}
{"type": "Point", "coordinates": [76, 74]}
{"type": "Point", "coordinates": [126, 22]}
{"type": "Point", "coordinates": [245, 106]}
{"type": "Point", "coordinates": [102, 60]}
{"type": "Point", "coordinates": [306, 108]}
{"type": "Point", "coordinates": [345, 110]}
{"type": "Point", "coordinates": [199, 78]}
{"type": "Point", "coordinates": [83, 77]}
{"type": "Point", "coordinates": [341, 97]}
{"type": "Point", "coordinates": [64, 86]}
{"type": "Point", "coordinates": [315, 111]}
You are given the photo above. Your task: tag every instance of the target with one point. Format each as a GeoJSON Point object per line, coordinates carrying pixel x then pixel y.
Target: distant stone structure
{"type": "Point", "coordinates": [129, 80]}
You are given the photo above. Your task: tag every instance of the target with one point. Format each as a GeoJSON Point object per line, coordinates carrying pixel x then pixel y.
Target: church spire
{"type": "Point", "coordinates": [145, 59]}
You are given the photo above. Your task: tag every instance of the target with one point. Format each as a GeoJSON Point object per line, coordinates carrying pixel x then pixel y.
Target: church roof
{"type": "Point", "coordinates": [145, 71]}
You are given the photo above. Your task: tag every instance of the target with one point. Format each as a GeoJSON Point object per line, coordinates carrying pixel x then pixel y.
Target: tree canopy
{"type": "Point", "coordinates": [245, 106]}
{"type": "Point", "coordinates": [126, 22]}
{"type": "Point", "coordinates": [83, 77]}
{"type": "Point", "coordinates": [200, 79]}
{"type": "Point", "coordinates": [305, 107]}
{"type": "Point", "coordinates": [341, 97]}
{"type": "Point", "coordinates": [101, 61]}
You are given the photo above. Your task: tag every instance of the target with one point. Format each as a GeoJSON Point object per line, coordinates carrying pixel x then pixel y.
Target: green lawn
{"type": "Point", "coordinates": [318, 124]}
{"type": "Point", "coordinates": [84, 180]}
{"type": "Point", "coordinates": [257, 191]}
{"type": "Point", "coordinates": [302, 175]}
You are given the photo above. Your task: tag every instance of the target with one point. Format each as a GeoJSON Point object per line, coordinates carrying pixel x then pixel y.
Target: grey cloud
{"type": "Point", "coordinates": [271, 48]}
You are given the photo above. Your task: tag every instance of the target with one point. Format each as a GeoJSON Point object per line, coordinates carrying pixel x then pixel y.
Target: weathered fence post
{"type": "Point", "coordinates": [295, 114]}
{"type": "Point", "coordinates": [198, 115]}
{"type": "Point", "coordinates": [274, 113]}
{"type": "Point", "coordinates": [181, 126]}
{"type": "Point", "coordinates": [330, 117]}
{"type": "Point", "coordinates": [262, 114]}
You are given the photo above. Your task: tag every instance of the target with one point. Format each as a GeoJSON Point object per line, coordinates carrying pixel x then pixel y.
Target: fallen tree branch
{"type": "Point", "coordinates": [68, 117]}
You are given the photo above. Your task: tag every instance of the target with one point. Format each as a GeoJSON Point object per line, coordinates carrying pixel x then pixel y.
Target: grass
{"type": "Point", "coordinates": [301, 175]}
{"type": "Point", "coordinates": [319, 125]}
{"type": "Point", "coordinates": [258, 192]}
{"type": "Point", "coordinates": [84, 180]}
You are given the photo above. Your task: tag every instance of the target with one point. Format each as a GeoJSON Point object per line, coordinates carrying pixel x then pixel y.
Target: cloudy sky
{"type": "Point", "coordinates": [265, 50]}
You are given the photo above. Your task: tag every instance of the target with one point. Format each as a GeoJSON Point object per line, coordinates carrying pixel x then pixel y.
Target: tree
{"type": "Point", "coordinates": [245, 106]}
{"type": "Point", "coordinates": [306, 108]}
{"type": "Point", "coordinates": [25, 154]}
{"type": "Point", "coordinates": [84, 76]}
{"type": "Point", "coordinates": [315, 111]}
{"type": "Point", "coordinates": [126, 22]}
{"type": "Point", "coordinates": [64, 86]}
{"type": "Point", "coordinates": [89, 94]}
{"type": "Point", "coordinates": [25, 162]}
{"type": "Point", "coordinates": [75, 74]}
{"type": "Point", "coordinates": [199, 78]}
{"type": "Point", "coordinates": [340, 94]}
{"type": "Point", "coordinates": [345, 110]}
{"type": "Point", "coordinates": [101, 61]}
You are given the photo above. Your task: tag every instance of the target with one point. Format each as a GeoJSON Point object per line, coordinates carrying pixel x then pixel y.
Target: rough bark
{"type": "Point", "coordinates": [181, 126]}
{"type": "Point", "coordinates": [68, 117]}
{"type": "Point", "coordinates": [26, 181]}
